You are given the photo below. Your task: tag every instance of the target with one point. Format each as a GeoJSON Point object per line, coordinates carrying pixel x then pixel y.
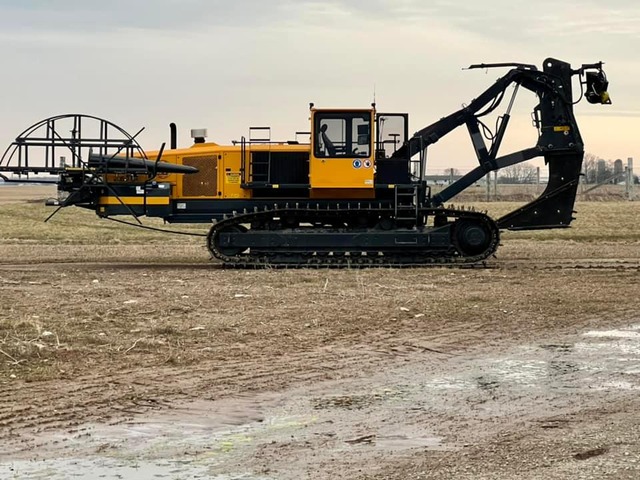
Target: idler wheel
{"type": "Point", "coordinates": [229, 250]}
{"type": "Point", "coordinates": [472, 237]}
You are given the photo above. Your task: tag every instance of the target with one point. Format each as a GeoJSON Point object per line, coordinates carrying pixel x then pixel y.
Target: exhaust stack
{"type": "Point", "coordinates": [173, 142]}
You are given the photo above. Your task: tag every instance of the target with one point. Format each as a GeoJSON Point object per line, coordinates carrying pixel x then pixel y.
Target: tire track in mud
{"type": "Point", "coordinates": [571, 264]}
{"type": "Point", "coordinates": [454, 401]}
{"type": "Point", "coordinates": [496, 262]}
{"type": "Point", "coordinates": [461, 404]}
{"type": "Point", "coordinates": [114, 398]}
{"type": "Point", "coordinates": [109, 265]}
{"type": "Point", "coordinates": [108, 397]}
{"type": "Point", "coordinates": [630, 263]}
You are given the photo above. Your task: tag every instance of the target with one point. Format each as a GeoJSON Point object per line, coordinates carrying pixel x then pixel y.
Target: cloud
{"type": "Point", "coordinates": [82, 16]}
{"type": "Point", "coordinates": [229, 64]}
{"type": "Point", "coordinates": [508, 21]}
{"type": "Point", "coordinates": [512, 20]}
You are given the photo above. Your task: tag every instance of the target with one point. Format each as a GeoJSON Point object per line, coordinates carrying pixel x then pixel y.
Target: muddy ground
{"type": "Point", "coordinates": [132, 356]}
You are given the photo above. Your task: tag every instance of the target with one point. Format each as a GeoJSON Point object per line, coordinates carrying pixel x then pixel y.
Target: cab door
{"type": "Point", "coordinates": [341, 149]}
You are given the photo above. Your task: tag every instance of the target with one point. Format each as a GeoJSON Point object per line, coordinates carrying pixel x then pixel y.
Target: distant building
{"type": "Point", "coordinates": [618, 167]}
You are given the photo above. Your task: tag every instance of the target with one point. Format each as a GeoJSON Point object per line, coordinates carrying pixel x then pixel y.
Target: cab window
{"type": "Point", "coordinates": [342, 134]}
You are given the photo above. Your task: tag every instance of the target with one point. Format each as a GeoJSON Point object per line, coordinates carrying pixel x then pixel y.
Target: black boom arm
{"type": "Point", "coordinates": [559, 139]}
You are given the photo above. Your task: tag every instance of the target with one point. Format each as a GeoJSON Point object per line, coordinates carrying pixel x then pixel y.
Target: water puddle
{"type": "Point", "coordinates": [105, 468]}
{"type": "Point", "coordinates": [411, 406]}
{"type": "Point", "coordinates": [615, 334]}
{"type": "Point", "coordinates": [403, 442]}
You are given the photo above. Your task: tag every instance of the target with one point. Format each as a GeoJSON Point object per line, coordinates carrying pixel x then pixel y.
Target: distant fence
{"type": "Point", "coordinates": [619, 186]}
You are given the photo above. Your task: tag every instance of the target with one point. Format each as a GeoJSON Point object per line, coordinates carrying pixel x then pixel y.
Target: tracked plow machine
{"type": "Point", "coordinates": [354, 194]}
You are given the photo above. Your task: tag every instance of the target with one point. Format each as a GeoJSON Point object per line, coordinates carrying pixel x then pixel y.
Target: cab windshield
{"type": "Point", "coordinates": [342, 134]}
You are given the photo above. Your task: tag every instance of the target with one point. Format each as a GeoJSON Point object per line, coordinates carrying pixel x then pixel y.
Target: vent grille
{"type": "Point", "coordinates": [205, 182]}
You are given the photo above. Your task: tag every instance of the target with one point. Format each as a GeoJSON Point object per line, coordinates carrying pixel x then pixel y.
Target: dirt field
{"type": "Point", "coordinates": [128, 354]}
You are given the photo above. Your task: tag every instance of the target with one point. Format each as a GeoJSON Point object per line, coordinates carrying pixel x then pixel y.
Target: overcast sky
{"type": "Point", "coordinates": [227, 65]}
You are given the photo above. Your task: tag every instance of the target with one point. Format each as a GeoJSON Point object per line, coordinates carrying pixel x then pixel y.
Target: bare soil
{"type": "Point", "coordinates": [130, 353]}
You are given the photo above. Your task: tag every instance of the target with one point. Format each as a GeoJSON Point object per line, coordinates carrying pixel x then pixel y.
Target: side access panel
{"type": "Point", "coordinates": [341, 172]}
{"type": "Point", "coordinates": [230, 181]}
{"type": "Point", "coordinates": [205, 182]}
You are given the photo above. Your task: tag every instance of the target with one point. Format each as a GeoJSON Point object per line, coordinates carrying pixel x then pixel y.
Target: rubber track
{"type": "Point", "coordinates": [296, 259]}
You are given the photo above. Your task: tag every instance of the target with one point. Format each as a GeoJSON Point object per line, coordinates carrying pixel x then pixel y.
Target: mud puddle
{"type": "Point", "coordinates": [424, 401]}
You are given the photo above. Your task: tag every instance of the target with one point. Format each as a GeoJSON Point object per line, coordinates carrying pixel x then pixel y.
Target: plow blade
{"type": "Point", "coordinates": [554, 208]}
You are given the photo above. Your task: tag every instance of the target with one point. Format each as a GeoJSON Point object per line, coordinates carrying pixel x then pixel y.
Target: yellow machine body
{"type": "Point", "coordinates": [228, 171]}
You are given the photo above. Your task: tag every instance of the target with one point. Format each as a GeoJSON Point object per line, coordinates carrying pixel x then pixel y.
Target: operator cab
{"type": "Point", "coordinates": [348, 133]}
{"type": "Point", "coordinates": [356, 149]}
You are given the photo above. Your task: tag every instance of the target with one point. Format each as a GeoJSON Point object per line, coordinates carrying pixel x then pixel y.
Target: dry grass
{"type": "Point", "coordinates": [13, 193]}
{"type": "Point", "coordinates": [23, 224]}
{"type": "Point", "coordinates": [63, 321]}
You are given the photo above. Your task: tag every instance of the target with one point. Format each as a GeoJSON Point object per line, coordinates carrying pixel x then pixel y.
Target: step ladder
{"type": "Point", "coordinates": [406, 203]}
{"type": "Point", "coordinates": [260, 168]}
